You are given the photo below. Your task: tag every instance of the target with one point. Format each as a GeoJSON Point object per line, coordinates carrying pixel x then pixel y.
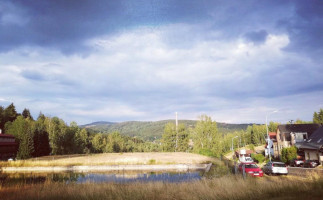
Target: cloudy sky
{"type": "Point", "coordinates": [236, 61]}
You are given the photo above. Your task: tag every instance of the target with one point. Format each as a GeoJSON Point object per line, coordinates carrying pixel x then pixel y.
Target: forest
{"type": "Point", "coordinates": [52, 136]}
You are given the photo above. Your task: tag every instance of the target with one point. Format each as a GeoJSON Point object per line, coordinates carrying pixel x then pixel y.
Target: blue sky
{"type": "Point", "coordinates": [235, 61]}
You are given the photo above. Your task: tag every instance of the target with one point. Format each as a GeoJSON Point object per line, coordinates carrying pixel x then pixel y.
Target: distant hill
{"type": "Point", "coordinates": [149, 130]}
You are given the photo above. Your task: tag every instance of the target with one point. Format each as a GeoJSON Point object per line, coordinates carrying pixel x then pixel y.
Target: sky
{"type": "Point", "coordinates": [144, 60]}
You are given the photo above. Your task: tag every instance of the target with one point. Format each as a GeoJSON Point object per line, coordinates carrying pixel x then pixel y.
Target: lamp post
{"type": "Point", "coordinates": [268, 148]}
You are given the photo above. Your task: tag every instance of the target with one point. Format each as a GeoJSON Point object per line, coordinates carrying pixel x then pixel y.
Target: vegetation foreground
{"type": "Point", "coordinates": [226, 187]}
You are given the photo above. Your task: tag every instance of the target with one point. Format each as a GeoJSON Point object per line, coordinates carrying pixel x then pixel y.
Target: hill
{"type": "Point", "coordinates": [149, 130]}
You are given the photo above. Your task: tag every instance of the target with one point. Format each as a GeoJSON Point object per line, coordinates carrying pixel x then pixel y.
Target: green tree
{"type": "Point", "coordinates": [115, 143]}
{"type": "Point", "coordinates": [41, 139]}
{"type": "Point", "coordinates": [257, 134]}
{"type": "Point", "coordinates": [182, 138]}
{"type": "Point", "coordinates": [99, 142]}
{"type": "Point", "coordinates": [9, 114]}
{"type": "Point", "coordinates": [23, 130]}
{"type": "Point", "coordinates": [2, 120]}
{"type": "Point", "coordinates": [272, 127]}
{"type": "Point", "coordinates": [83, 142]}
{"type": "Point", "coordinates": [169, 138]}
{"type": "Point", "coordinates": [61, 137]}
{"type": "Point", "coordinates": [205, 136]}
{"type": "Point", "coordinates": [26, 114]}
{"type": "Point", "coordinates": [318, 117]}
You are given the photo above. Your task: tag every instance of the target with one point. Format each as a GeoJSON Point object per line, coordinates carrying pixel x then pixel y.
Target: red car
{"type": "Point", "coordinates": [251, 169]}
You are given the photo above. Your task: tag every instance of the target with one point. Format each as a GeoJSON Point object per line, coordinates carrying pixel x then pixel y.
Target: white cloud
{"type": "Point", "coordinates": [140, 75]}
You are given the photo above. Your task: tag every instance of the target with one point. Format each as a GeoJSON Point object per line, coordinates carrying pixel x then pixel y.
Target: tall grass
{"type": "Point", "coordinates": [226, 187]}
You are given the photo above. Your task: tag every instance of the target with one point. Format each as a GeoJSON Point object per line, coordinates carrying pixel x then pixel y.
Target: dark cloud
{"type": "Point", "coordinates": [257, 37]}
{"type": "Point", "coordinates": [67, 25]}
{"type": "Point", "coordinates": [305, 28]}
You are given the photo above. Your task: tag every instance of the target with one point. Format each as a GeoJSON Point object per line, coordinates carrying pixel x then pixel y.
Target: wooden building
{"type": "Point", "coordinates": [8, 146]}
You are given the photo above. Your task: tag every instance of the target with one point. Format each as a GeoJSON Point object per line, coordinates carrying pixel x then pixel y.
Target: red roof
{"type": "Point", "coordinates": [7, 135]}
{"type": "Point", "coordinates": [272, 134]}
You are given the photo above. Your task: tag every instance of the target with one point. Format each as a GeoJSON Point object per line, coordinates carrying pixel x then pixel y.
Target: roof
{"type": "Point", "coordinates": [7, 135]}
{"type": "Point", "coordinates": [288, 128]}
{"type": "Point", "coordinates": [315, 141]}
{"type": "Point", "coordinates": [8, 143]}
{"type": "Point", "coordinates": [272, 134]}
{"type": "Point", "coordinates": [248, 151]}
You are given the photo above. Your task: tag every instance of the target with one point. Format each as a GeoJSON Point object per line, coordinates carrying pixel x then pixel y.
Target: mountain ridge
{"type": "Point", "coordinates": [152, 130]}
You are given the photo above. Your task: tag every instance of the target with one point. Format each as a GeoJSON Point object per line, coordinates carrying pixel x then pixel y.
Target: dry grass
{"type": "Point", "coordinates": [228, 187]}
{"type": "Point", "coordinates": [111, 159]}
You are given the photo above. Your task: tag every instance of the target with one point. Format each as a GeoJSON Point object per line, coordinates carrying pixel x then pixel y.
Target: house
{"type": "Point", "coordinates": [313, 147]}
{"type": "Point", "coordinates": [8, 146]}
{"type": "Point", "coordinates": [292, 135]}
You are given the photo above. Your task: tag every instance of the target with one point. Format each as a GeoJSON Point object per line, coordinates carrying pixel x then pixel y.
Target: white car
{"type": "Point", "coordinates": [275, 168]}
{"type": "Point", "coordinates": [246, 160]}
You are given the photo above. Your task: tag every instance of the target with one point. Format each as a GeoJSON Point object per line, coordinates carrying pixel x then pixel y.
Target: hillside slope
{"type": "Point", "coordinates": [149, 130]}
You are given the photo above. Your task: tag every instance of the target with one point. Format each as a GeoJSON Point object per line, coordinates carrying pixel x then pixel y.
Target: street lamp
{"type": "Point", "coordinates": [268, 148]}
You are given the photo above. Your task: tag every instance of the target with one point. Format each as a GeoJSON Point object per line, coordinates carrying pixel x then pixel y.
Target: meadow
{"type": "Point", "coordinates": [225, 187]}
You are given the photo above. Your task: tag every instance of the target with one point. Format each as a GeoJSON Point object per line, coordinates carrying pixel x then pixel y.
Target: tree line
{"type": "Point", "coordinates": [205, 138]}
{"type": "Point", "coordinates": [52, 136]}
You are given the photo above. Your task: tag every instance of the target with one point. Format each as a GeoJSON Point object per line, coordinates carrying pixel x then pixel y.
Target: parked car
{"type": "Point", "coordinates": [246, 160]}
{"type": "Point", "coordinates": [251, 169]}
{"type": "Point", "coordinates": [275, 168]}
{"type": "Point", "coordinates": [297, 163]}
{"type": "Point", "coordinates": [310, 164]}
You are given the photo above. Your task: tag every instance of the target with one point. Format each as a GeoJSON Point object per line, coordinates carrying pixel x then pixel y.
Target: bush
{"type": "Point", "coordinates": [152, 162]}
{"type": "Point", "coordinates": [288, 154]}
{"type": "Point", "coordinates": [252, 147]}
{"type": "Point", "coordinates": [206, 152]}
{"type": "Point", "coordinates": [259, 158]}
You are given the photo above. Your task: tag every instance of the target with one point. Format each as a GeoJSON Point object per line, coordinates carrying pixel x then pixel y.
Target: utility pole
{"type": "Point", "coordinates": [268, 138]}
{"type": "Point", "coordinates": [176, 124]}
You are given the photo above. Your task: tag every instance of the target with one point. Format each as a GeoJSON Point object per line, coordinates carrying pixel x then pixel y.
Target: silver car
{"type": "Point", "coordinates": [275, 168]}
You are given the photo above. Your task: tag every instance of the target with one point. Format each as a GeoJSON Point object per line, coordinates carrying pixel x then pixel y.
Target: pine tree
{"type": "Point", "coordinates": [10, 113]}
{"type": "Point", "coordinates": [26, 114]}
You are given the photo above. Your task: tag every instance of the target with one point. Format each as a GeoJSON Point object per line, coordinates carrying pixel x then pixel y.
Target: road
{"type": "Point", "coordinates": [299, 171]}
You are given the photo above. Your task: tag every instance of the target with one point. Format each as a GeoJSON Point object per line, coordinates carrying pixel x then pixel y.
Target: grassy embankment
{"type": "Point", "coordinates": [225, 187]}
{"type": "Point", "coordinates": [111, 159]}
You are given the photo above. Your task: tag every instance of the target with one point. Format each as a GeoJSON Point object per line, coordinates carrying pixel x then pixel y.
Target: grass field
{"type": "Point", "coordinates": [225, 187]}
{"type": "Point", "coordinates": [112, 159]}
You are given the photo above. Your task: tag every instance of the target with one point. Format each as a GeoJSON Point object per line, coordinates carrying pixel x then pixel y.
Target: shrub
{"type": "Point", "coordinates": [259, 158]}
{"type": "Point", "coordinates": [152, 162]}
{"type": "Point", "coordinates": [206, 152]}
{"type": "Point", "coordinates": [288, 154]}
{"type": "Point", "coordinates": [252, 147]}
